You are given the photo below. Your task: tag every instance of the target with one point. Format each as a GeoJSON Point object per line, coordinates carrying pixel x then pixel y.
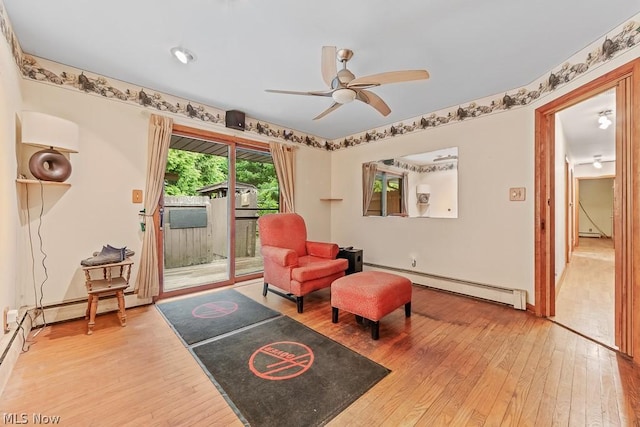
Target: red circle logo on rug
{"type": "Point", "coordinates": [281, 360]}
{"type": "Point", "coordinates": [211, 310]}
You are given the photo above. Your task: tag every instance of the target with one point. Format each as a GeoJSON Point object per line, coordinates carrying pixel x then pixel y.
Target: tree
{"type": "Point", "coordinates": [191, 171]}
{"type": "Point", "coordinates": [263, 176]}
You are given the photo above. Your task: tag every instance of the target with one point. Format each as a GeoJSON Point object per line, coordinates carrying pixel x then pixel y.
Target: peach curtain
{"type": "Point", "coordinates": [284, 162]}
{"type": "Point", "coordinates": [148, 279]}
{"type": "Point", "coordinates": [404, 209]}
{"type": "Point", "coordinates": [369, 171]}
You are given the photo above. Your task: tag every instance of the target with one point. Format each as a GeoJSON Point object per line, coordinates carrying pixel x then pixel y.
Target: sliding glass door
{"type": "Point", "coordinates": [196, 214]}
{"type": "Point", "coordinates": [215, 190]}
{"type": "Point", "coordinates": [256, 194]}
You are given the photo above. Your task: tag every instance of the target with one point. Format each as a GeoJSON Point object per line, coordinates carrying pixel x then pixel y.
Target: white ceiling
{"type": "Point", "coordinates": [583, 136]}
{"type": "Point", "coordinates": [472, 49]}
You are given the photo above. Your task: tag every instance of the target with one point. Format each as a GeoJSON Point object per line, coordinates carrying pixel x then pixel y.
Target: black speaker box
{"type": "Point", "coordinates": [234, 119]}
{"type": "Point", "coordinates": [354, 256]}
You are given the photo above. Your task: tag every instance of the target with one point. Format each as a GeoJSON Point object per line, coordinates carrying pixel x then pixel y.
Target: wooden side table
{"type": "Point", "coordinates": [108, 284]}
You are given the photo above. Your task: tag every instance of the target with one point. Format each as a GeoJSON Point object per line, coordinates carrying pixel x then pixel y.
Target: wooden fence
{"type": "Point", "coordinates": [199, 233]}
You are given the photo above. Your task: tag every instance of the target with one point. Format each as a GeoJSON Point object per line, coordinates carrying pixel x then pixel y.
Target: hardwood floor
{"type": "Point", "coordinates": [585, 301]}
{"type": "Point", "coordinates": [215, 271]}
{"type": "Point", "coordinates": [455, 361]}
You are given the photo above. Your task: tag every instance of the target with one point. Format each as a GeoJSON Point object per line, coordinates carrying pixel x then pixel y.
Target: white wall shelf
{"type": "Point", "coordinates": [35, 181]}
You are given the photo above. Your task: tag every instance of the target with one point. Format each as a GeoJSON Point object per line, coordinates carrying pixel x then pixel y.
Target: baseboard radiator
{"type": "Point", "coordinates": [517, 298]}
{"type": "Point", "coordinates": [76, 309]}
{"type": "Point", "coordinates": [11, 345]}
{"type": "Point", "coordinates": [589, 234]}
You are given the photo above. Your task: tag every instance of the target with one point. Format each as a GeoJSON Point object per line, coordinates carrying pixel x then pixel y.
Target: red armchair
{"type": "Point", "coordinates": [292, 263]}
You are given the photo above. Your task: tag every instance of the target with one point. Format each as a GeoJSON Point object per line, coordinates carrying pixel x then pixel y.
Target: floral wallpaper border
{"type": "Point", "coordinates": [424, 168]}
{"type": "Point", "coordinates": [626, 37]}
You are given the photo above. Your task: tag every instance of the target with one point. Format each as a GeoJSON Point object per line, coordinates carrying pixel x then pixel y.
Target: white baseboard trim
{"type": "Point", "coordinates": [517, 298]}
{"type": "Point", "coordinates": [77, 309]}
{"type": "Point", "coordinates": [11, 345]}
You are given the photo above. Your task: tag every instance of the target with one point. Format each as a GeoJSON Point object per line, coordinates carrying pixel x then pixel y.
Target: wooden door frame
{"type": "Point", "coordinates": [567, 213]}
{"type": "Point", "coordinates": [626, 80]}
{"type": "Point", "coordinates": [576, 212]}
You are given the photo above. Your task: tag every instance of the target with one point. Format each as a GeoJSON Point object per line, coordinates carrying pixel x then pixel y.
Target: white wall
{"type": "Point", "coordinates": [596, 197]}
{"type": "Point", "coordinates": [97, 209]}
{"type": "Point", "coordinates": [443, 202]}
{"type": "Point", "coordinates": [586, 172]}
{"type": "Point", "coordinates": [313, 182]}
{"type": "Point", "coordinates": [491, 241]}
{"type": "Point", "coordinates": [10, 106]}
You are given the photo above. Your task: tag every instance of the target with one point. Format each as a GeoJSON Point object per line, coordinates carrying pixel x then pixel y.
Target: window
{"type": "Point", "coordinates": [387, 195]}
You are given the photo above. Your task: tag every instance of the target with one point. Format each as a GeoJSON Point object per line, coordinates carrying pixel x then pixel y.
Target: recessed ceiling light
{"type": "Point", "coordinates": [182, 54]}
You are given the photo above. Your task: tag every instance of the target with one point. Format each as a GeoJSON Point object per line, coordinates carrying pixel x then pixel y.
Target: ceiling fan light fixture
{"type": "Point", "coordinates": [182, 55]}
{"type": "Point", "coordinates": [343, 96]}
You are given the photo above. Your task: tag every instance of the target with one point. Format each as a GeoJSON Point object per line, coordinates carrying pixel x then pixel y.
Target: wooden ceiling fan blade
{"type": "Point", "coordinates": [388, 77]}
{"type": "Point", "coordinates": [293, 92]}
{"type": "Point", "coordinates": [328, 64]}
{"type": "Point", "coordinates": [333, 107]}
{"type": "Point", "coordinates": [374, 100]}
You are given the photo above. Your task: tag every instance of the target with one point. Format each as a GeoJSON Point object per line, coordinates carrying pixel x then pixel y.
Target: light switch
{"type": "Point", "coordinates": [517, 194]}
{"type": "Point", "coordinates": [136, 196]}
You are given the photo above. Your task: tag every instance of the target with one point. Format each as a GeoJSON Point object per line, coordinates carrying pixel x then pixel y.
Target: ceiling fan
{"type": "Point", "coordinates": [345, 87]}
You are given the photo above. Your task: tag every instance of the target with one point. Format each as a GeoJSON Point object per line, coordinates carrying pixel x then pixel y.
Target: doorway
{"type": "Point", "coordinates": [216, 187]}
{"type": "Point", "coordinates": [585, 295]}
{"type": "Point", "coordinates": [585, 144]}
{"type": "Point", "coordinates": [625, 82]}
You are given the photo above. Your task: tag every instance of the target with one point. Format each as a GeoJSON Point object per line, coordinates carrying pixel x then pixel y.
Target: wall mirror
{"type": "Point", "coordinates": [422, 185]}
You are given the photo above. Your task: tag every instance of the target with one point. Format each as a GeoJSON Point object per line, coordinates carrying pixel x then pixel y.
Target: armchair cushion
{"type": "Point", "coordinates": [284, 231]}
{"type": "Point", "coordinates": [322, 249]}
{"type": "Point", "coordinates": [310, 268]}
{"type": "Point", "coordinates": [281, 256]}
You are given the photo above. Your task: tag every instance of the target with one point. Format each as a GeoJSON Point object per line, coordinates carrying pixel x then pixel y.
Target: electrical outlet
{"type": "Point", "coordinates": [517, 194]}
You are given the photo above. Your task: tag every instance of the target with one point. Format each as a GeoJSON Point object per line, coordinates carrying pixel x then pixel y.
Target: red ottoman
{"type": "Point", "coordinates": [370, 295]}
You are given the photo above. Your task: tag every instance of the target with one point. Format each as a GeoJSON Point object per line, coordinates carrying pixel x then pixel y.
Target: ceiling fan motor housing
{"type": "Point", "coordinates": [344, 55]}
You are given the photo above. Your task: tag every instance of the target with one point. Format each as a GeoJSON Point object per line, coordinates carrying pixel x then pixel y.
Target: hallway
{"type": "Point", "coordinates": [585, 297]}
